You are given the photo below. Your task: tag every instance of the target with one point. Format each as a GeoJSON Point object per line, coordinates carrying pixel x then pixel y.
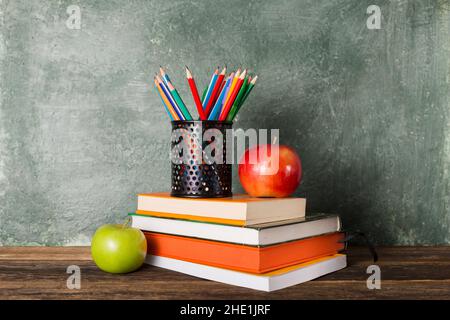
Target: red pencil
{"type": "Point", "coordinates": [215, 92]}
{"type": "Point", "coordinates": [227, 107]}
{"type": "Point", "coordinates": [220, 90]}
{"type": "Point", "coordinates": [198, 102]}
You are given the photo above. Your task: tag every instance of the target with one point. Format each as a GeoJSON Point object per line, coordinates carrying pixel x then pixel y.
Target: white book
{"type": "Point", "coordinates": [258, 235]}
{"type": "Point", "coordinates": [237, 210]}
{"type": "Point", "coordinates": [270, 281]}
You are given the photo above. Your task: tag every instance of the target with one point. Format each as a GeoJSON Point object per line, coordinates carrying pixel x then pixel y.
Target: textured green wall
{"type": "Point", "coordinates": [82, 130]}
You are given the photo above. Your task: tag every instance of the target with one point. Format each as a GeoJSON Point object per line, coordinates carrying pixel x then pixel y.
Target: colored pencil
{"type": "Point", "coordinates": [236, 102]}
{"type": "Point", "coordinates": [217, 107]}
{"type": "Point", "coordinates": [226, 108]}
{"type": "Point", "coordinates": [204, 93]}
{"type": "Point", "coordinates": [214, 92]}
{"type": "Point", "coordinates": [226, 93]}
{"type": "Point", "coordinates": [164, 104]}
{"type": "Point", "coordinates": [233, 84]}
{"type": "Point", "coordinates": [220, 90]}
{"type": "Point", "coordinates": [164, 75]}
{"type": "Point", "coordinates": [175, 94]}
{"type": "Point", "coordinates": [211, 85]}
{"type": "Point", "coordinates": [243, 90]}
{"type": "Point", "coordinates": [222, 102]}
{"type": "Point", "coordinates": [222, 98]}
{"type": "Point", "coordinates": [173, 114]}
{"type": "Point", "coordinates": [249, 89]}
{"type": "Point", "coordinates": [179, 101]}
{"type": "Point", "coordinates": [170, 98]}
{"type": "Point", "coordinates": [194, 92]}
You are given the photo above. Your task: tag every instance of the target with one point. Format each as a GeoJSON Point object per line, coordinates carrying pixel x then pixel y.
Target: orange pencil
{"type": "Point", "coordinates": [229, 103]}
{"type": "Point", "coordinates": [195, 95]}
{"type": "Point", "coordinates": [233, 84]}
{"type": "Point", "coordinates": [166, 101]}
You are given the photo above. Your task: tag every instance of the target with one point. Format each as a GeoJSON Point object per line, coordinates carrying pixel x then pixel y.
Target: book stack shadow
{"type": "Point", "coordinates": [260, 243]}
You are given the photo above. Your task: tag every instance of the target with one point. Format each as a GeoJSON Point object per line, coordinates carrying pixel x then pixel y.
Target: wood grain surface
{"type": "Point", "coordinates": [40, 273]}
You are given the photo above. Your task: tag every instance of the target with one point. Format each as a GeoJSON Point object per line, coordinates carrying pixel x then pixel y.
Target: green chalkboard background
{"type": "Point", "coordinates": [82, 129]}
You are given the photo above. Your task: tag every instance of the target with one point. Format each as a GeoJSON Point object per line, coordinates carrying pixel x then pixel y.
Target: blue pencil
{"type": "Point", "coordinates": [212, 83]}
{"type": "Point", "coordinates": [164, 75]}
{"type": "Point", "coordinates": [164, 104]}
{"type": "Point", "coordinates": [218, 106]}
{"type": "Point", "coordinates": [170, 98]}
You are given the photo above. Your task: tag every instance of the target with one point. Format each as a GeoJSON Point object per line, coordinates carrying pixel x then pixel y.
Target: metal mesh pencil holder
{"type": "Point", "coordinates": [198, 156]}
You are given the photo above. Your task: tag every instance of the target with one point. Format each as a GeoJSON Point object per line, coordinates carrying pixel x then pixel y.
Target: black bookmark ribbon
{"type": "Point", "coordinates": [350, 235]}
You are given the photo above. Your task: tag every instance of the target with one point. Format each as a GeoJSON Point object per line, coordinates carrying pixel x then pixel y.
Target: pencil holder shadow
{"type": "Point", "coordinates": [198, 156]}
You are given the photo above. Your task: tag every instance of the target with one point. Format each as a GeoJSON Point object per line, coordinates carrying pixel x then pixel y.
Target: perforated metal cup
{"type": "Point", "coordinates": [196, 146]}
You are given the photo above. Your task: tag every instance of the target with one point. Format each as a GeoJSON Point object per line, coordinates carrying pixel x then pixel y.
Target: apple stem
{"type": "Point", "coordinates": [126, 223]}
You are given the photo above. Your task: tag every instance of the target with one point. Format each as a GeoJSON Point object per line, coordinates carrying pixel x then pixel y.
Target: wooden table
{"type": "Point", "coordinates": [40, 273]}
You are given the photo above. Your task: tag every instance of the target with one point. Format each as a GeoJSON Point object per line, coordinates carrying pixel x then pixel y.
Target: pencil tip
{"type": "Point", "coordinates": [188, 73]}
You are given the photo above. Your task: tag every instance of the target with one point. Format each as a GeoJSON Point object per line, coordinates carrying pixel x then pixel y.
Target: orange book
{"type": "Point", "coordinates": [252, 259]}
{"type": "Point", "coordinates": [239, 210]}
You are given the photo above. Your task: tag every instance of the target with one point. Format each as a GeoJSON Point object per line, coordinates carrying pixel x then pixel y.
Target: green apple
{"type": "Point", "coordinates": [118, 248]}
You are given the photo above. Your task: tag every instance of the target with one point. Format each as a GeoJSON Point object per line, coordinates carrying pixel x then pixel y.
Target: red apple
{"type": "Point", "coordinates": [260, 181]}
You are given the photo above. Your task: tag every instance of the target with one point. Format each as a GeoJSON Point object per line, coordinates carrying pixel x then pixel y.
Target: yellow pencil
{"type": "Point", "coordinates": [233, 84]}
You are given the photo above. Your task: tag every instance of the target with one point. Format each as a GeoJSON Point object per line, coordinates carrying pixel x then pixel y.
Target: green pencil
{"type": "Point", "coordinates": [236, 102]}
{"type": "Point", "coordinates": [179, 101]}
{"type": "Point", "coordinates": [204, 94]}
{"type": "Point", "coordinates": [241, 102]}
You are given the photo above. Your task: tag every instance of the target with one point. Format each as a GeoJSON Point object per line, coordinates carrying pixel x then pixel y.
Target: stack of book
{"type": "Point", "coordinates": [260, 243]}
